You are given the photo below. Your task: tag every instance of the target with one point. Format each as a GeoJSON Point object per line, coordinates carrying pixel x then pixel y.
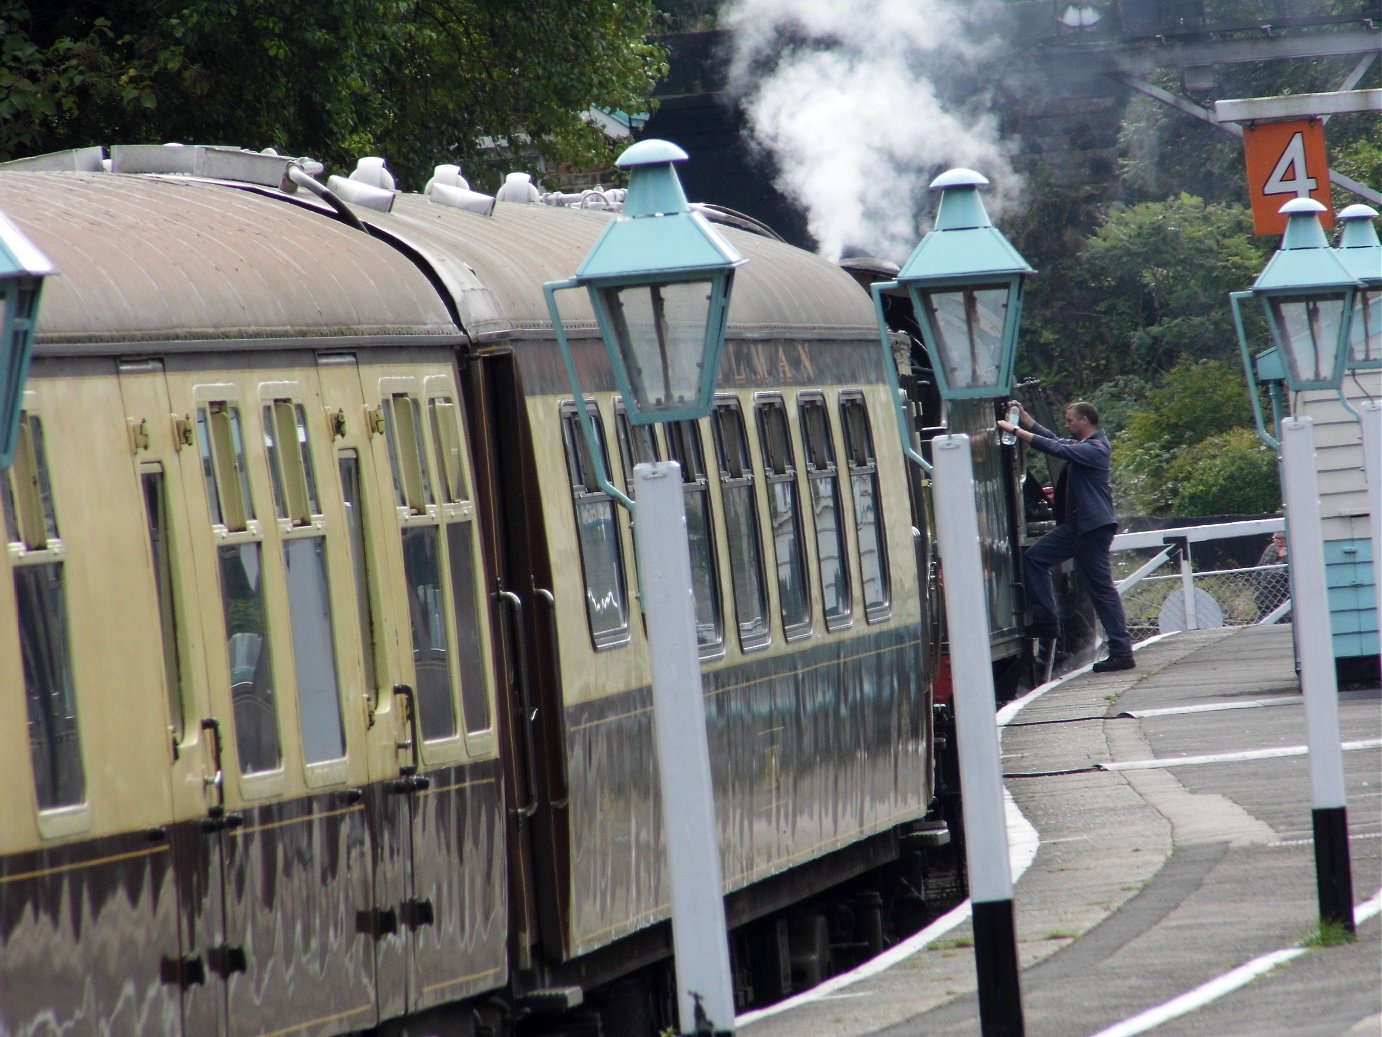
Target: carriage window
{"type": "Point", "coordinates": [868, 512]}
{"type": "Point", "coordinates": [684, 446]}
{"type": "Point", "coordinates": [156, 516]}
{"type": "Point", "coordinates": [637, 444]}
{"type": "Point", "coordinates": [823, 481]}
{"type": "Point", "coordinates": [427, 619]}
{"type": "Point", "coordinates": [784, 514]}
{"type": "Point", "coordinates": [314, 649]}
{"type": "Point", "coordinates": [446, 433]}
{"type": "Point", "coordinates": [304, 563]}
{"type": "Point", "coordinates": [412, 488]}
{"type": "Point", "coordinates": [458, 518]}
{"type": "Point", "coordinates": [223, 465]}
{"type": "Point", "coordinates": [422, 568]}
{"type": "Point", "coordinates": [353, 494]}
{"type": "Point", "coordinates": [741, 524]}
{"type": "Point", "coordinates": [49, 693]}
{"type": "Point", "coordinates": [290, 462]}
{"type": "Point", "coordinates": [240, 561]}
{"type": "Point", "coordinates": [597, 526]}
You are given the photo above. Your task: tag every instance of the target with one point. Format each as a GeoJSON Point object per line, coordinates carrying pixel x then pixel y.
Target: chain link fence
{"type": "Point", "coordinates": [1226, 597]}
{"type": "Point", "coordinates": [1164, 591]}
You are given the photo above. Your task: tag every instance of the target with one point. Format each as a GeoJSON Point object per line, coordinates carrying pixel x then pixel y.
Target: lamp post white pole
{"type": "Point", "coordinates": [1371, 419]}
{"type": "Point", "coordinates": [976, 729]}
{"type": "Point", "coordinates": [1319, 687]}
{"type": "Point", "coordinates": [704, 984]}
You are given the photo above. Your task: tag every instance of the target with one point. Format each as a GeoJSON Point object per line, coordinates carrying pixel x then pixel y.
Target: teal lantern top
{"type": "Point", "coordinates": [660, 279]}
{"type": "Point", "coordinates": [965, 282]}
{"type": "Point", "coordinates": [22, 271]}
{"type": "Point", "coordinates": [1361, 253]}
{"type": "Point", "coordinates": [1307, 294]}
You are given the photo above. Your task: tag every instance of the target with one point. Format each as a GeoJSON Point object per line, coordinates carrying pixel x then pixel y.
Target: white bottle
{"type": "Point", "coordinates": [1009, 438]}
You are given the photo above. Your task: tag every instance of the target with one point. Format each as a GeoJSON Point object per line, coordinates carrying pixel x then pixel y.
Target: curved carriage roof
{"type": "Point", "coordinates": [182, 262]}
{"type": "Point", "coordinates": [495, 266]}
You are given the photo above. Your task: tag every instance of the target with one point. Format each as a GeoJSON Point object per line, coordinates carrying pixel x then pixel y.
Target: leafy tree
{"type": "Point", "coordinates": [1157, 451]}
{"type": "Point", "coordinates": [1118, 400]}
{"type": "Point", "coordinates": [1232, 473]}
{"type": "Point", "coordinates": [1164, 271]}
{"type": "Point", "coordinates": [418, 81]}
{"type": "Point", "coordinates": [1062, 338]}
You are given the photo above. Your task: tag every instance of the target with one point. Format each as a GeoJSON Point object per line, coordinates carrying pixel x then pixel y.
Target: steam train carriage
{"type": "Point", "coordinates": [327, 690]}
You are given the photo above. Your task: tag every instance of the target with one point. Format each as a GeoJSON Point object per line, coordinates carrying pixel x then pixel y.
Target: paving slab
{"type": "Point", "coordinates": [1149, 882]}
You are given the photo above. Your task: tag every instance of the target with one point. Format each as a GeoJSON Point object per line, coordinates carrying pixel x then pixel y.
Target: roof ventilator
{"type": "Point", "coordinates": [448, 187]}
{"type": "Point", "coordinates": [518, 187]}
{"type": "Point", "coordinates": [370, 186]}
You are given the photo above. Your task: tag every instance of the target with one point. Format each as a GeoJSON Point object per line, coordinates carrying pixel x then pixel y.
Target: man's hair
{"type": "Point", "coordinates": [1085, 410]}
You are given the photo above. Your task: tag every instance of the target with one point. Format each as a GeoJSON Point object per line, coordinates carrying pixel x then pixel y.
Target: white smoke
{"type": "Point", "coordinates": [844, 94]}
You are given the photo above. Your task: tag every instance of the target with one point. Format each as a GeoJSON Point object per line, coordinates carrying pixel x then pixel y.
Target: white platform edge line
{"type": "Point", "coordinates": [1227, 983]}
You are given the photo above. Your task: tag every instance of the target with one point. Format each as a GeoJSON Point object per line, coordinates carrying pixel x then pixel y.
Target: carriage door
{"type": "Point", "coordinates": [498, 440]}
{"type": "Point", "coordinates": [457, 909]}
{"type": "Point", "coordinates": [361, 463]}
{"type": "Point", "coordinates": [168, 470]}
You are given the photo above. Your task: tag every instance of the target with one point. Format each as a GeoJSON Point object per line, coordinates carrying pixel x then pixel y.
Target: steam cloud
{"type": "Point", "coordinates": [846, 95]}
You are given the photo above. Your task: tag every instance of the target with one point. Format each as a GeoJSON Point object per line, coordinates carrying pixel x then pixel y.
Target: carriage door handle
{"type": "Point", "coordinates": [525, 699]}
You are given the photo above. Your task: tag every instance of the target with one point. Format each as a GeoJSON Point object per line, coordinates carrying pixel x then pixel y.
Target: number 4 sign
{"type": "Point", "coordinates": [1285, 160]}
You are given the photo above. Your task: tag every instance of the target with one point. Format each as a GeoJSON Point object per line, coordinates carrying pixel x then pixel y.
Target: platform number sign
{"type": "Point", "coordinates": [1285, 160]}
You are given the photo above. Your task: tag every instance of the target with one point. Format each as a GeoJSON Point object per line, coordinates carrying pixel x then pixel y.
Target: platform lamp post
{"type": "Point", "coordinates": [1307, 295]}
{"type": "Point", "coordinates": [1361, 253]}
{"type": "Point", "coordinates": [659, 280]}
{"type": "Point", "coordinates": [23, 269]}
{"type": "Point", "coordinates": [965, 282]}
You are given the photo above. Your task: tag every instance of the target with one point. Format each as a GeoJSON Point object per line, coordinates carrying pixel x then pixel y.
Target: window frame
{"type": "Point", "coordinates": [783, 494]}
{"type": "Point", "coordinates": [695, 479]}
{"type": "Point", "coordinates": [28, 522]}
{"type": "Point", "coordinates": [861, 459]}
{"type": "Point", "coordinates": [586, 492]}
{"type": "Point", "coordinates": [821, 469]}
{"type": "Point", "coordinates": [737, 477]}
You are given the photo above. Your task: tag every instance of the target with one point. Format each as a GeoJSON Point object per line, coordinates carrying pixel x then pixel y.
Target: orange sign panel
{"type": "Point", "coordinates": [1285, 160]}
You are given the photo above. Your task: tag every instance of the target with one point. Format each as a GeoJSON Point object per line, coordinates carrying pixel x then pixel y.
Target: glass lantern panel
{"type": "Point", "coordinates": [1307, 329]}
{"type": "Point", "coordinates": [661, 333]}
{"type": "Point", "coordinates": [968, 327]}
{"type": "Point", "coordinates": [1365, 333]}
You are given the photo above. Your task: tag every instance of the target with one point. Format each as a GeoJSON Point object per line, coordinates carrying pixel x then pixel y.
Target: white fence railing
{"type": "Point", "coordinates": [1159, 602]}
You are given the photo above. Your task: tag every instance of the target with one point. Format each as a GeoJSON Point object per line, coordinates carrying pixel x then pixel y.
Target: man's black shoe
{"type": "Point", "coordinates": [1114, 662]}
{"type": "Point", "coordinates": [1042, 630]}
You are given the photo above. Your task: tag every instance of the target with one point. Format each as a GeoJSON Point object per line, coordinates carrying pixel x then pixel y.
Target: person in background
{"type": "Point", "coordinates": [1271, 586]}
{"type": "Point", "coordinates": [1085, 525]}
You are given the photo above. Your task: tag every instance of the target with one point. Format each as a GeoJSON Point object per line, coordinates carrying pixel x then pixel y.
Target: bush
{"type": "Point", "coordinates": [1232, 473]}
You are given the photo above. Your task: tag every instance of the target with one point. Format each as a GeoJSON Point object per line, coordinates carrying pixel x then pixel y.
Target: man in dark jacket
{"type": "Point", "coordinates": [1085, 525]}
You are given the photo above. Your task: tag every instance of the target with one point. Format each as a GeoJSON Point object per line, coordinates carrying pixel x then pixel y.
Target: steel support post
{"type": "Point", "coordinates": [1319, 686]}
{"type": "Point", "coordinates": [705, 991]}
{"type": "Point", "coordinates": [976, 729]}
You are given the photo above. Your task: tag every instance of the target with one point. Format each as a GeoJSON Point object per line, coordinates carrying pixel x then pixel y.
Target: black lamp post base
{"type": "Point", "coordinates": [1333, 871]}
{"type": "Point", "coordinates": [995, 959]}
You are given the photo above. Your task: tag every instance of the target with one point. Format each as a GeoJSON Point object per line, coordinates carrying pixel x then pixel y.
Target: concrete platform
{"type": "Point", "coordinates": [1161, 823]}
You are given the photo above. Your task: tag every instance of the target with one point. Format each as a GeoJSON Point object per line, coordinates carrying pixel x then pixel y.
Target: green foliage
{"type": "Point", "coordinates": [418, 81]}
{"type": "Point", "coordinates": [1361, 159]}
{"type": "Point", "coordinates": [1062, 338]}
{"type": "Point", "coordinates": [1329, 934]}
{"type": "Point", "coordinates": [1165, 443]}
{"type": "Point", "coordinates": [1232, 473]}
{"type": "Point", "coordinates": [1165, 270]}
{"type": "Point", "coordinates": [1118, 400]}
